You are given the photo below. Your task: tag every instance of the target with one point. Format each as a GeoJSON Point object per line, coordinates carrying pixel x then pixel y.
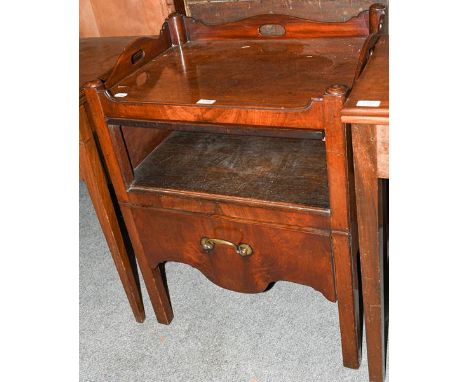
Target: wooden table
{"type": "Point", "coordinates": [97, 56]}
{"type": "Point", "coordinates": [370, 149]}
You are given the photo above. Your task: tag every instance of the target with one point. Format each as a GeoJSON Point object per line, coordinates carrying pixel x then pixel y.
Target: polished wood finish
{"type": "Point", "coordinates": [154, 277]}
{"type": "Point", "coordinates": [93, 174]}
{"type": "Point", "coordinates": [194, 72]}
{"type": "Point", "coordinates": [372, 86]}
{"type": "Point", "coordinates": [97, 56]}
{"type": "Point", "coordinates": [281, 215]}
{"type": "Point", "coordinates": [278, 254]}
{"type": "Point", "coordinates": [179, 6]}
{"type": "Point", "coordinates": [137, 54]}
{"type": "Point", "coordinates": [370, 220]}
{"type": "Point", "coordinates": [370, 146]}
{"type": "Point", "coordinates": [177, 30]}
{"type": "Point", "coordinates": [294, 27]}
{"type": "Point", "coordinates": [343, 231]}
{"type": "Point", "coordinates": [167, 206]}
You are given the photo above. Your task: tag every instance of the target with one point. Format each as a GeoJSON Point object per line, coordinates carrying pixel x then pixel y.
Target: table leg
{"type": "Point", "coordinates": [93, 174]}
{"type": "Point", "coordinates": [370, 244]}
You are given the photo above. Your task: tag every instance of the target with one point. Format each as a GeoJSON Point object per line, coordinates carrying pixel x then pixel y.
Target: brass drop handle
{"type": "Point", "coordinates": [241, 248]}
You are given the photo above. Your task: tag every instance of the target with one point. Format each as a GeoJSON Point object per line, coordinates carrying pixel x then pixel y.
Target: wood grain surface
{"type": "Point", "coordinates": [93, 172]}
{"type": "Point", "coordinates": [284, 72]}
{"type": "Point", "coordinates": [372, 85]}
{"type": "Point", "coordinates": [277, 254]}
{"type": "Point", "coordinates": [99, 55]}
{"type": "Point", "coordinates": [270, 26]}
{"type": "Point", "coordinates": [370, 134]}
{"type": "Point", "coordinates": [271, 169]}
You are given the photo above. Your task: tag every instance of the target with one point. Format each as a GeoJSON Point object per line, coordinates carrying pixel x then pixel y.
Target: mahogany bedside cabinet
{"type": "Point", "coordinates": [367, 111]}
{"type": "Point", "coordinates": [226, 151]}
{"type": "Point", "coordinates": [97, 56]}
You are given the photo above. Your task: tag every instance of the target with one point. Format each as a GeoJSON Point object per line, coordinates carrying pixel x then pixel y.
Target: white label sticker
{"type": "Point", "coordinates": [368, 103]}
{"type": "Point", "coordinates": [120, 95]}
{"type": "Point", "coordinates": [206, 101]}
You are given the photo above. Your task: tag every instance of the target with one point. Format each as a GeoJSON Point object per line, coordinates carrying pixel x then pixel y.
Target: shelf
{"type": "Point", "coordinates": [285, 170]}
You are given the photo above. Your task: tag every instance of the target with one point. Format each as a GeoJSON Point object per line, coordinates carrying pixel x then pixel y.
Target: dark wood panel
{"type": "Point", "coordinates": [140, 141]}
{"type": "Point", "coordinates": [306, 118]}
{"type": "Point", "coordinates": [264, 131]}
{"type": "Point", "coordinates": [222, 11]}
{"type": "Point", "coordinates": [265, 168]}
{"type": "Point", "coordinates": [280, 215]}
{"type": "Point", "coordinates": [277, 254]}
{"type": "Point", "coordinates": [277, 27]}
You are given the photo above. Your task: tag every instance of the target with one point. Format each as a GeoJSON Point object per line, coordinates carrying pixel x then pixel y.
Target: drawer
{"type": "Point", "coordinates": [277, 253]}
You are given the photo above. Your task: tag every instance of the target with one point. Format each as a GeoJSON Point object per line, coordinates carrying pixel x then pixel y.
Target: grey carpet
{"type": "Point", "coordinates": [289, 333]}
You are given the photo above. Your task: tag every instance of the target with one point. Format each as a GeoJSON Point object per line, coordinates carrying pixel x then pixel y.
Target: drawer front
{"type": "Point", "coordinates": [277, 254]}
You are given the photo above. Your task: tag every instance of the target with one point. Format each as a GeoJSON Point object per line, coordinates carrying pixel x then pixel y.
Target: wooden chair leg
{"type": "Point", "coordinates": [93, 174]}
{"type": "Point", "coordinates": [155, 279]}
{"type": "Point", "coordinates": [348, 300]}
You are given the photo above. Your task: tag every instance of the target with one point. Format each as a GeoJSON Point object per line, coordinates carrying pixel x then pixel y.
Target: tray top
{"type": "Point", "coordinates": [99, 54]}
{"type": "Point", "coordinates": [371, 86]}
{"type": "Point", "coordinates": [246, 73]}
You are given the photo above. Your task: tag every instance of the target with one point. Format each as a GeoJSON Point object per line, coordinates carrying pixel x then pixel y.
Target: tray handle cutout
{"type": "Point", "coordinates": [137, 56]}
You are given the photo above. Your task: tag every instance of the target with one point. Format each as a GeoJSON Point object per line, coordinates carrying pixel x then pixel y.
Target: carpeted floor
{"type": "Point", "coordinates": [289, 333]}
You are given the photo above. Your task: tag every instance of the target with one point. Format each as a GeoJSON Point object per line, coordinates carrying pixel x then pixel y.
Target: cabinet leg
{"type": "Point", "coordinates": [93, 174]}
{"type": "Point", "coordinates": [348, 300]}
{"type": "Point", "coordinates": [155, 279]}
{"type": "Point", "coordinates": [161, 300]}
{"type": "Point", "coordinates": [372, 246]}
